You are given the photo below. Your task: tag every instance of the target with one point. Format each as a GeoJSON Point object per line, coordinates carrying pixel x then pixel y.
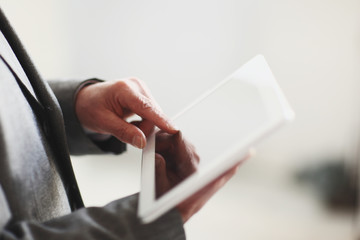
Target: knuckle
{"type": "Point", "coordinates": [121, 84]}
{"type": "Point", "coordinates": [145, 103]}
{"type": "Point", "coordinates": [138, 83]}
{"type": "Point", "coordinates": [160, 162]}
{"type": "Point", "coordinates": [136, 80]}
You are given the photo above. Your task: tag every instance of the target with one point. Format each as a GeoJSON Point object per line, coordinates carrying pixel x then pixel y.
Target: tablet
{"type": "Point", "coordinates": [222, 124]}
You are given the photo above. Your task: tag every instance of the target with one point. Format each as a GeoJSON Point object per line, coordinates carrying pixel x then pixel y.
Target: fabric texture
{"type": "Point", "coordinates": [116, 220]}
{"type": "Point", "coordinates": [39, 196]}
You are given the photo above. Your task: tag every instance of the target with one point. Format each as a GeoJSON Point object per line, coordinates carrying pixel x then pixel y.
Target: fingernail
{"type": "Point", "coordinates": [138, 142]}
{"type": "Point", "coordinates": [172, 126]}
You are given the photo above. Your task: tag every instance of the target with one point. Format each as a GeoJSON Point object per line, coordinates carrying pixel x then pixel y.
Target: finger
{"type": "Point", "coordinates": [164, 142]}
{"type": "Point", "coordinates": [220, 181]}
{"type": "Point", "coordinates": [170, 143]}
{"type": "Point", "coordinates": [227, 175]}
{"type": "Point", "coordinates": [147, 109]}
{"type": "Point", "coordinates": [160, 175]}
{"type": "Point", "coordinates": [195, 202]}
{"type": "Point", "coordinates": [251, 153]}
{"type": "Point", "coordinates": [145, 126]}
{"type": "Point", "coordinates": [124, 131]}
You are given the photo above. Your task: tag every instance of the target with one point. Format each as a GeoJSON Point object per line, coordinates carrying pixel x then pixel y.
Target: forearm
{"type": "Point", "coordinates": [116, 220]}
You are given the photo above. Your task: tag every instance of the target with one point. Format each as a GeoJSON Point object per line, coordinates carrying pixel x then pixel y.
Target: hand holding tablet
{"type": "Point", "coordinates": [175, 160]}
{"type": "Point", "coordinates": [222, 125]}
{"type": "Point", "coordinates": [195, 202]}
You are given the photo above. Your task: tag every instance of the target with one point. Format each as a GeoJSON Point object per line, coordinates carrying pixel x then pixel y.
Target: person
{"type": "Point", "coordinates": [42, 123]}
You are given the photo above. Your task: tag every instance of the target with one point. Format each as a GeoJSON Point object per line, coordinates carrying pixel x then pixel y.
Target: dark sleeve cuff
{"type": "Point", "coordinates": [78, 141]}
{"type": "Point", "coordinates": [168, 226]}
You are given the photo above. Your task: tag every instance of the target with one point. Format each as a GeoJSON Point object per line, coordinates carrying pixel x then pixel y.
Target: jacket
{"type": "Point", "coordinates": [39, 196]}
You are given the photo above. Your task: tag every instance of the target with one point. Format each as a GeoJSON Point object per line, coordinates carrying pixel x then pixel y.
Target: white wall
{"type": "Point", "coordinates": [180, 48]}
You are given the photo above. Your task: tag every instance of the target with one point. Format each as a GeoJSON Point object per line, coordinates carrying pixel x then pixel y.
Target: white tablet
{"type": "Point", "coordinates": [222, 124]}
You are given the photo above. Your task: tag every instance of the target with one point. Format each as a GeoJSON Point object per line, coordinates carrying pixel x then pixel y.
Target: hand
{"type": "Point", "coordinates": [175, 160]}
{"type": "Point", "coordinates": [195, 202]}
{"type": "Point", "coordinates": [104, 107]}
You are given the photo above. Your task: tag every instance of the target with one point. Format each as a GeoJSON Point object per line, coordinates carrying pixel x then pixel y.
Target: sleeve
{"type": "Point", "coordinates": [78, 141]}
{"type": "Point", "coordinates": [115, 221]}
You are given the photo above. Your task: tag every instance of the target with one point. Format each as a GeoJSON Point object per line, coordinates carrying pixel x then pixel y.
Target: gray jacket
{"type": "Point", "coordinates": [39, 197]}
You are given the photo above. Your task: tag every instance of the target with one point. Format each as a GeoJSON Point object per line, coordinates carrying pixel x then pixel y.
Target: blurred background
{"type": "Point", "coordinates": [300, 184]}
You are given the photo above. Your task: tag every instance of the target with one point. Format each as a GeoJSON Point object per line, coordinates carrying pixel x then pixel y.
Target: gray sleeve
{"type": "Point", "coordinates": [115, 221]}
{"type": "Point", "coordinates": [78, 141]}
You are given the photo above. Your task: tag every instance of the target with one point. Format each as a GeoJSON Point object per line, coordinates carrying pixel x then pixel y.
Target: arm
{"type": "Point", "coordinates": [115, 221]}
{"type": "Point", "coordinates": [104, 107]}
{"type": "Point", "coordinates": [118, 220]}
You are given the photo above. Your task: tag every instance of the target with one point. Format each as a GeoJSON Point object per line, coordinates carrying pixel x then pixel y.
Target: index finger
{"type": "Point", "coordinates": [146, 108]}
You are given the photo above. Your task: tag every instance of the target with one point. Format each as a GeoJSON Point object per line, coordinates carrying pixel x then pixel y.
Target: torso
{"type": "Point", "coordinates": [28, 174]}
